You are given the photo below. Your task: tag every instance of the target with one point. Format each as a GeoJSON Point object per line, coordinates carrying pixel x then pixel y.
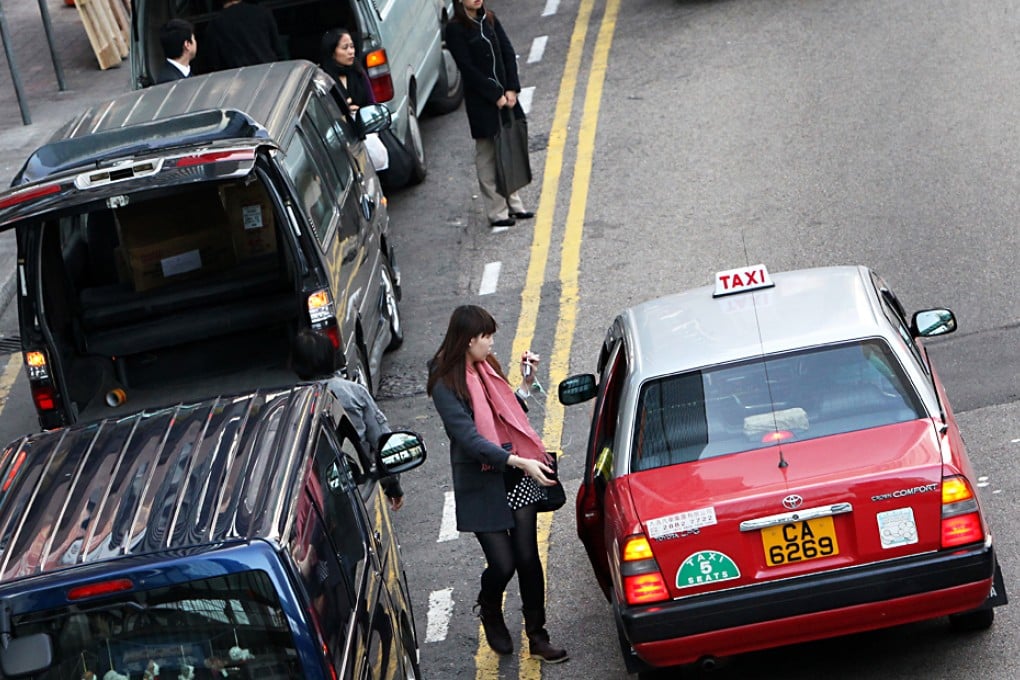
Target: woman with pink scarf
{"type": "Point", "coordinates": [499, 468]}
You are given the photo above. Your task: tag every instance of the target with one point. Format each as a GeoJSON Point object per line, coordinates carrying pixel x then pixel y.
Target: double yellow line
{"type": "Point", "coordinates": [486, 662]}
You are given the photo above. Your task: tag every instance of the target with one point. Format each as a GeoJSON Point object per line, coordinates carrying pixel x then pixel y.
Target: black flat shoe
{"type": "Point", "coordinates": [523, 215]}
{"type": "Point", "coordinates": [502, 223]}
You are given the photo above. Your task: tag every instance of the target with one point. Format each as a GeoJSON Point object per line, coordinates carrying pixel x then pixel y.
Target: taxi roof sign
{"type": "Point", "coordinates": [742, 279]}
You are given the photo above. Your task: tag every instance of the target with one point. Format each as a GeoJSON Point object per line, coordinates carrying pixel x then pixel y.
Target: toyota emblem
{"type": "Point", "coordinates": [792, 502]}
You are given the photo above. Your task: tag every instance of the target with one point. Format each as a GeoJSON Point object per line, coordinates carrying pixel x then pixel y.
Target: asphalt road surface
{"type": "Point", "coordinates": [673, 139]}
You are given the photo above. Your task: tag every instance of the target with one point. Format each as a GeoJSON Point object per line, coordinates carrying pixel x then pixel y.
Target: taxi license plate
{"type": "Point", "coordinates": [799, 541]}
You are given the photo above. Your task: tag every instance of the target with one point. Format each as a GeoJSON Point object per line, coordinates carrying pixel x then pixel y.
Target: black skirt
{"type": "Point", "coordinates": [521, 490]}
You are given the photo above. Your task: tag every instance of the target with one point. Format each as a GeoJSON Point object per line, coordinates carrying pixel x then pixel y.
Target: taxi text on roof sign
{"type": "Point", "coordinates": [742, 279]}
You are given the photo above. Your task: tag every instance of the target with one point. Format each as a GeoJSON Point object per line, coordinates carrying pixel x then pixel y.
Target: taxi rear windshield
{"type": "Point", "coordinates": [767, 401]}
{"type": "Point", "coordinates": [228, 626]}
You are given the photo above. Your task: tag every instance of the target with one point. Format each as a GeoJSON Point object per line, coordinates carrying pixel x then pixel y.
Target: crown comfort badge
{"type": "Point", "coordinates": [704, 567]}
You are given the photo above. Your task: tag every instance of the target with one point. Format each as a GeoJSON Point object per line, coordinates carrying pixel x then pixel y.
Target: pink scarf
{"type": "Point", "coordinates": [498, 416]}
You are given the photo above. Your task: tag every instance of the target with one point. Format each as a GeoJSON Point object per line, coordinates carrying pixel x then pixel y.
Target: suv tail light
{"type": "Point", "coordinates": [322, 314]}
{"type": "Point", "coordinates": [961, 519]}
{"type": "Point", "coordinates": [30, 194]}
{"type": "Point", "coordinates": [642, 578]}
{"type": "Point", "coordinates": [378, 68]}
{"type": "Point", "coordinates": [43, 393]}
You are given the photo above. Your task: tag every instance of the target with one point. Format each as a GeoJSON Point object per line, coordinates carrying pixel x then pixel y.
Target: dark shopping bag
{"type": "Point", "coordinates": [513, 167]}
{"type": "Point", "coordinates": [554, 496]}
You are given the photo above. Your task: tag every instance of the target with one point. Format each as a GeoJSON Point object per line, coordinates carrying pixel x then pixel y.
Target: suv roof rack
{"type": "Point", "coordinates": [190, 128]}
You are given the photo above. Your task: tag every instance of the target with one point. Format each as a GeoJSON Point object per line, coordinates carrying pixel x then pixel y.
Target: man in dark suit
{"type": "Point", "coordinates": [241, 34]}
{"type": "Point", "coordinates": [177, 37]}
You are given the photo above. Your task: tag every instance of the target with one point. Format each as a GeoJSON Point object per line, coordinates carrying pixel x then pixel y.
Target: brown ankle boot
{"type": "Point", "coordinates": [496, 633]}
{"type": "Point", "coordinates": [538, 638]}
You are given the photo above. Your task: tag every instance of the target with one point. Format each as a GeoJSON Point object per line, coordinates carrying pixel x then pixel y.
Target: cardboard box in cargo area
{"type": "Point", "coordinates": [251, 220]}
{"type": "Point", "coordinates": [180, 258]}
{"type": "Point", "coordinates": [173, 239]}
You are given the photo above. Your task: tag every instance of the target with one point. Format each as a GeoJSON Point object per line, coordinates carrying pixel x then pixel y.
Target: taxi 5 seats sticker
{"type": "Point", "coordinates": [707, 566]}
{"type": "Point", "coordinates": [897, 527]}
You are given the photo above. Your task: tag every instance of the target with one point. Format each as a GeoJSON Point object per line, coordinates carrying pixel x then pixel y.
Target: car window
{"type": "Point", "coordinates": [762, 402]}
{"type": "Point", "coordinates": [310, 183]}
{"type": "Point", "coordinates": [328, 125]}
{"type": "Point", "coordinates": [893, 310]}
{"type": "Point", "coordinates": [607, 408]}
{"type": "Point", "coordinates": [209, 623]}
{"type": "Point", "coordinates": [339, 506]}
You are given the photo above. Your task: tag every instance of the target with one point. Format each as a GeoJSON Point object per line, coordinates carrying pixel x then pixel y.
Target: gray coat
{"type": "Point", "coordinates": [480, 494]}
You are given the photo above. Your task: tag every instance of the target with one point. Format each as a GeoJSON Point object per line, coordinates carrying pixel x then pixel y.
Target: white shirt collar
{"type": "Point", "coordinates": [184, 69]}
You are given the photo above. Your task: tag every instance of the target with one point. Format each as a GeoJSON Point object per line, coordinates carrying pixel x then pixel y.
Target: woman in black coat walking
{"type": "Point", "coordinates": [499, 465]}
{"type": "Point", "coordinates": [488, 64]}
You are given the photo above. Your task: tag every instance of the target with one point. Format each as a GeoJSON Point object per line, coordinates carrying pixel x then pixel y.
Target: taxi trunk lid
{"type": "Point", "coordinates": [784, 511]}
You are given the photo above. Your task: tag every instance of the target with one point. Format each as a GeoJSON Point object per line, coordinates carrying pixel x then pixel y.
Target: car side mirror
{"type": "Point", "coordinates": [929, 323]}
{"type": "Point", "coordinates": [577, 388]}
{"type": "Point", "coordinates": [372, 118]}
{"type": "Point", "coordinates": [26, 655]}
{"type": "Point", "coordinates": [400, 451]}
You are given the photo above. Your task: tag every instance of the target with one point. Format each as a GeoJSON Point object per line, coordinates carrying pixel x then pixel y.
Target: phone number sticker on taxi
{"type": "Point", "coordinates": [799, 541]}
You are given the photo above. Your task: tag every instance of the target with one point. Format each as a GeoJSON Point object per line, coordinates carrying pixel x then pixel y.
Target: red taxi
{"type": "Point", "coordinates": [773, 460]}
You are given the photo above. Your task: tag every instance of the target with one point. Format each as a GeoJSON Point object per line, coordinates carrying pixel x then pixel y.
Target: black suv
{"type": "Point", "coordinates": [238, 537]}
{"type": "Point", "coordinates": [172, 241]}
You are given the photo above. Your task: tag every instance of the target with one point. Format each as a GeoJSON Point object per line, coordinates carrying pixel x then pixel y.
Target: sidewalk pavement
{"type": "Point", "coordinates": [49, 108]}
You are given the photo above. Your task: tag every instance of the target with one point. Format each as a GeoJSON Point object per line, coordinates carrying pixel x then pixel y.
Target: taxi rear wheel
{"type": "Point", "coordinates": [979, 619]}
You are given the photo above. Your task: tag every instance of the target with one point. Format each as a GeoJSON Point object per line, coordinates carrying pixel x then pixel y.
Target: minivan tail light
{"type": "Point", "coordinates": [961, 519]}
{"type": "Point", "coordinates": [29, 195]}
{"type": "Point", "coordinates": [44, 397]}
{"type": "Point", "coordinates": [642, 579]}
{"type": "Point", "coordinates": [101, 588]}
{"type": "Point", "coordinates": [320, 307]}
{"type": "Point", "coordinates": [37, 365]}
{"type": "Point", "coordinates": [378, 68]}
{"type": "Point", "coordinates": [215, 157]}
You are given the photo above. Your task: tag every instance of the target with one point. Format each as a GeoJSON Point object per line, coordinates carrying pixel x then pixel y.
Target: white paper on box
{"type": "Point", "coordinates": [180, 264]}
{"type": "Point", "coordinates": [680, 522]}
{"type": "Point", "coordinates": [251, 216]}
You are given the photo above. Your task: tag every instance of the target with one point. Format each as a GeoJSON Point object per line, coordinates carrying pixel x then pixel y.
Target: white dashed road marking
{"type": "Point", "coordinates": [550, 7]}
{"type": "Point", "coordinates": [440, 611]}
{"type": "Point", "coordinates": [537, 49]}
{"type": "Point", "coordinates": [525, 98]}
{"type": "Point", "coordinates": [490, 278]}
{"type": "Point", "coordinates": [448, 527]}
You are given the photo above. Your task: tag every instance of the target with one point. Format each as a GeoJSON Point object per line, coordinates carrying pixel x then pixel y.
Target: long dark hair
{"type": "Point", "coordinates": [448, 365]}
{"type": "Point", "coordinates": [461, 16]}
{"type": "Point", "coordinates": [357, 88]}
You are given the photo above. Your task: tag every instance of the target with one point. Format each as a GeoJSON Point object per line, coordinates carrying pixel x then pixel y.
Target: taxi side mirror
{"type": "Point", "coordinates": [929, 323]}
{"type": "Point", "coordinates": [577, 388]}
{"type": "Point", "coordinates": [400, 451]}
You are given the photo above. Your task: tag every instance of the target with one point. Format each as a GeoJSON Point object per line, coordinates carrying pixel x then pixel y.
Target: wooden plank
{"type": "Point", "coordinates": [106, 51]}
{"type": "Point", "coordinates": [104, 14]}
{"type": "Point", "coordinates": [122, 17]}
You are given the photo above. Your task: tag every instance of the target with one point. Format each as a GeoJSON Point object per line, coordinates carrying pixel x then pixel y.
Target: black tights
{"type": "Point", "coordinates": [514, 550]}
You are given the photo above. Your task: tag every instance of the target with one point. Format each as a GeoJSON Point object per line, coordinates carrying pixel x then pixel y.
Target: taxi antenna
{"type": "Point", "coordinates": [764, 364]}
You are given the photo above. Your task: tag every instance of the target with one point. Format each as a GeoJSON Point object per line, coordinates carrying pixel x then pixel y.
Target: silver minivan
{"type": "Point", "coordinates": [399, 41]}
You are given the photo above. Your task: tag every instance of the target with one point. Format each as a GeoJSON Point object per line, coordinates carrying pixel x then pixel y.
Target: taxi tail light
{"type": "Point", "coordinates": [642, 579]}
{"type": "Point", "coordinates": [378, 68]}
{"type": "Point", "coordinates": [961, 519]}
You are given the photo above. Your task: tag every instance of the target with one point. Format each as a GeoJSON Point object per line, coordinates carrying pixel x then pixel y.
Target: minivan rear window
{"type": "Point", "coordinates": [226, 626]}
{"type": "Point", "coordinates": [766, 401]}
